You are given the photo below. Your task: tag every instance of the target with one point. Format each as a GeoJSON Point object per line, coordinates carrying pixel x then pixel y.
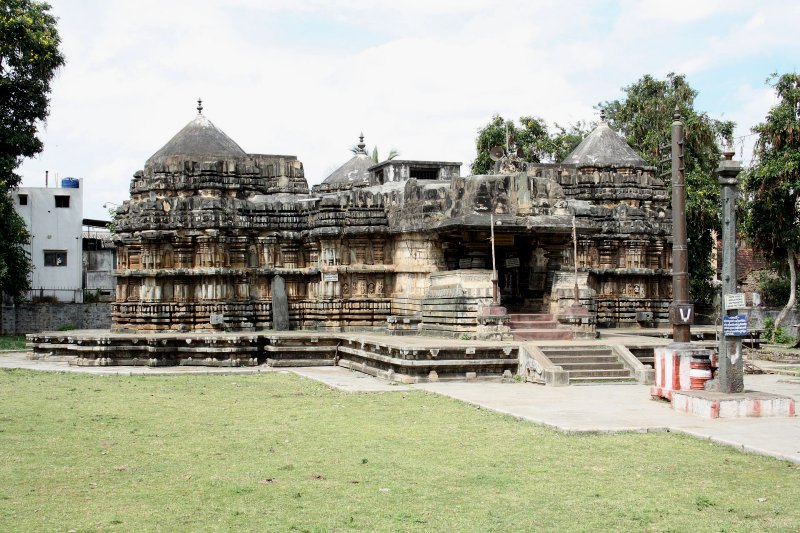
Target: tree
{"type": "Point", "coordinates": [376, 158]}
{"type": "Point", "coordinates": [15, 262]}
{"type": "Point", "coordinates": [29, 58]}
{"type": "Point", "coordinates": [772, 185]}
{"type": "Point", "coordinates": [566, 139]}
{"type": "Point", "coordinates": [644, 116]}
{"type": "Point", "coordinates": [531, 136]}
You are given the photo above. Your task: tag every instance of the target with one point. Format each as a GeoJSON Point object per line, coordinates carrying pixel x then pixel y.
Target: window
{"type": "Point", "coordinates": [424, 173]}
{"type": "Point", "coordinates": [23, 199]}
{"type": "Point", "coordinates": [62, 201]}
{"type": "Point", "coordinates": [55, 258]}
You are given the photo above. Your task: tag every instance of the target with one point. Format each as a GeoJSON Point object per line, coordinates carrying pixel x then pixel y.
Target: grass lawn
{"type": "Point", "coordinates": [273, 452]}
{"type": "Point", "coordinates": [12, 342]}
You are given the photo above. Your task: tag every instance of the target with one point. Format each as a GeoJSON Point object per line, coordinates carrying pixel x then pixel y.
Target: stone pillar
{"type": "Point", "coordinates": [607, 253]}
{"type": "Point", "coordinates": [289, 251]}
{"type": "Point", "coordinates": [730, 376]}
{"type": "Point", "coordinates": [524, 205]}
{"type": "Point", "coordinates": [280, 305]}
{"type": "Point", "coordinates": [553, 254]}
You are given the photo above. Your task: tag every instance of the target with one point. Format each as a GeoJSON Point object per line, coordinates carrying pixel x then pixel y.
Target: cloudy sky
{"type": "Point", "coordinates": [304, 77]}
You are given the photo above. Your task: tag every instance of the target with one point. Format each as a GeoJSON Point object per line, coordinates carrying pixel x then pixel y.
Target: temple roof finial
{"type": "Point", "coordinates": [199, 106]}
{"type": "Point", "coordinates": [602, 114]}
{"type": "Point", "coordinates": [361, 144]}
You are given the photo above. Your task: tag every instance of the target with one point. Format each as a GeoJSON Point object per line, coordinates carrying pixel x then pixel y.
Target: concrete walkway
{"type": "Point", "coordinates": [574, 409]}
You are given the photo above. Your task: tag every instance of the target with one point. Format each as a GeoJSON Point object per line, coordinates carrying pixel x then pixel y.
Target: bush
{"type": "Point", "coordinates": [701, 290]}
{"type": "Point", "coordinates": [781, 337]}
{"type": "Point", "coordinates": [90, 297]}
{"type": "Point", "coordinates": [774, 289]}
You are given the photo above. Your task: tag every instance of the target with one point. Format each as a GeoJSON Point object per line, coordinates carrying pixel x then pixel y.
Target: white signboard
{"type": "Point", "coordinates": [330, 276]}
{"type": "Point", "coordinates": [734, 301]}
{"type": "Point", "coordinates": [217, 319]}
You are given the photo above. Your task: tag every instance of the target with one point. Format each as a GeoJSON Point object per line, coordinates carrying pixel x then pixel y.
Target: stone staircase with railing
{"type": "Point", "coordinates": [589, 364]}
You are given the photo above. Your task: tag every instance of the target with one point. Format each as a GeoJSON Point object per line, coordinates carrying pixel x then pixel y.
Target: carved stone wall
{"type": "Point", "coordinates": [201, 240]}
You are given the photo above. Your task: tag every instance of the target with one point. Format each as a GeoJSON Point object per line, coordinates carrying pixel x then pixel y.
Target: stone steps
{"type": "Point", "coordinates": [543, 335]}
{"type": "Point", "coordinates": [522, 326]}
{"type": "Point", "coordinates": [587, 359]}
{"type": "Point", "coordinates": [537, 327]}
{"type": "Point", "coordinates": [606, 373]}
{"type": "Point", "coordinates": [645, 355]}
{"type": "Point", "coordinates": [614, 365]}
{"type": "Point", "coordinates": [600, 380]}
{"type": "Point", "coordinates": [589, 364]}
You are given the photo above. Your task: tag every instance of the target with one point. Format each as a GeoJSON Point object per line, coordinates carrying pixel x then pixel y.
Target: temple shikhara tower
{"type": "Point", "coordinates": [214, 238]}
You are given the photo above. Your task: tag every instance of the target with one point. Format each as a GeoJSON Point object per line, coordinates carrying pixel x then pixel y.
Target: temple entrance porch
{"type": "Point", "coordinates": [526, 264]}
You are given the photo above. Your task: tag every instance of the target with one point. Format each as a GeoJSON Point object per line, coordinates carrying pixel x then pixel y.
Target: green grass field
{"type": "Point", "coordinates": [273, 452]}
{"type": "Point", "coordinates": [12, 342]}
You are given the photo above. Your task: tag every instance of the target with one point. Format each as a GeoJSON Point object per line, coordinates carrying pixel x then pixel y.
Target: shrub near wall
{"type": "Point", "coordinates": [33, 318]}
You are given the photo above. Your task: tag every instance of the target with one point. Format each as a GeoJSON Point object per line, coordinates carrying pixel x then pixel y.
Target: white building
{"type": "Point", "coordinates": [99, 262]}
{"type": "Point", "coordinates": [54, 217]}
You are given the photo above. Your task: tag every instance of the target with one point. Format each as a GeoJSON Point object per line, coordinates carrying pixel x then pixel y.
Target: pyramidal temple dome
{"type": "Point", "coordinates": [603, 148]}
{"type": "Point", "coordinates": [354, 171]}
{"type": "Point", "coordinates": [200, 139]}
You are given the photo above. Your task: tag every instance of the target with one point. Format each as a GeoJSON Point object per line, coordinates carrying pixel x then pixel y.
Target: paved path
{"type": "Point", "coordinates": [577, 409]}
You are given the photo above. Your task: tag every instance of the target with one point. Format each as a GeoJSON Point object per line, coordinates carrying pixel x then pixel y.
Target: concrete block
{"type": "Point", "coordinates": [748, 404]}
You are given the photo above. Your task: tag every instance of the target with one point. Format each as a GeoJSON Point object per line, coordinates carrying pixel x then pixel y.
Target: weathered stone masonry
{"type": "Point", "coordinates": [210, 232]}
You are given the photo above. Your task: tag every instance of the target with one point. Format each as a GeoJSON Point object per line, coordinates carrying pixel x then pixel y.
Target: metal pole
{"type": "Point", "coordinates": [680, 256]}
{"type": "Point", "coordinates": [730, 375]}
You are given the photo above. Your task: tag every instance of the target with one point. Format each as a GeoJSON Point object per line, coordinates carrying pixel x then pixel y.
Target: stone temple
{"type": "Point", "coordinates": [214, 238]}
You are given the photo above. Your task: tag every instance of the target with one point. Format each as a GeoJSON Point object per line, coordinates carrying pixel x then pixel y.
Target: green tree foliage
{"type": "Point", "coordinates": [29, 58]}
{"type": "Point", "coordinates": [772, 221]}
{"type": "Point", "coordinates": [530, 135]}
{"type": "Point", "coordinates": [565, 139]}
{"type": "Point", "coordinates": [15, 260]}
{"type": "Point", "coordinates": [377, 159]}
{"type": "Point", "coordinates": [644, 116]}
{"type": "Point", "coordinates": [375, 156]}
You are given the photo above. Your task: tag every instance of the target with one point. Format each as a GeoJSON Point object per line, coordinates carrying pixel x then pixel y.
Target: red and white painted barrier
{"type": "Point", "coordinates": [681, 376]}
{"type": "Point", "coordinates": [683, 369]}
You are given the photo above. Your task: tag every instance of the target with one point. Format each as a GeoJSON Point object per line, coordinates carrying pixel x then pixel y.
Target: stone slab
{"type": "Point", "coordinates": [753, 404]}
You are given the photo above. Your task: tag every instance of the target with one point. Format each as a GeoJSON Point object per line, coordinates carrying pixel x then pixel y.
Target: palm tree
{"type": "Point", "coordinates": [392, 154]}
{"type": "Point", "coordinates": [360, 149]}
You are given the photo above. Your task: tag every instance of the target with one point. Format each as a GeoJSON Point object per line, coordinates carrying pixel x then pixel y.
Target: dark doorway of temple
{"type": "Point", "coordinates": [521, 265]}
{"type": "Point", "coordinates": [521, 272]}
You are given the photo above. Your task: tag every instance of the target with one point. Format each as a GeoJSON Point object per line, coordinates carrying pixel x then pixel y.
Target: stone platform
{"type": "Point", "coordinates": [406, 359]}
{"type": "Point", "coordinates": [747, 404]}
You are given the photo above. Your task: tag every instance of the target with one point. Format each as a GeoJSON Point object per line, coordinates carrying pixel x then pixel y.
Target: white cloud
{"type": "Point", "coordinates": [305, 77]}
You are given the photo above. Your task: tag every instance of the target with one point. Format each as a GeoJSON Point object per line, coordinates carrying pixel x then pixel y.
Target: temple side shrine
{"type": "Point", "coordinates": [217, 239]}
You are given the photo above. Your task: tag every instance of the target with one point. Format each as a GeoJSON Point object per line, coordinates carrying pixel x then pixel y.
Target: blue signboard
{"type": "Point", "coordinates": [734, 326]}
